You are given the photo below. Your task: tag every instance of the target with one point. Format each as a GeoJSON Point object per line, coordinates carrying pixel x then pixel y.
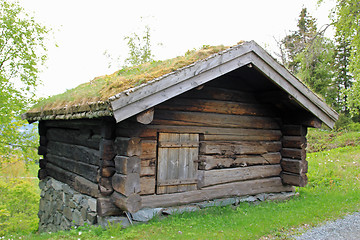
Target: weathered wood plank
{"type": "Point", "coordinates": [163, 117]}
{"type": "Point", "coordinates": [294, 130]}
{"type": "Point", "coordinates": [131, 203]}
{"type": "Point", "coordinates": [147, 185]}
{"type": "Point", "coordinates": [75, 124]}
{"type": "Point", "coordinates": [222, 94]}
{"type": "Point", "coordinates": [227, 137]}
{"type": "Point", "coordinates": [148, 149]}
{"type": "Point", "coordinates": [107, 171]}
{"type": "Point", "coordinates": [251, 187]}
{"type": "Point", "coordinates": [126, 184]}
{"type": "Point", "coordinates": [85, 186]}
{"type": "Point", "coordinates": [215, 106]}
{"type": "Point", "coordinates": [148, 167]}
{"type": "Point", "coordinates": [87, 171]}
{"type": "Point", "coordinates": [299, 180]}
{"type": "Point", "coordinates": [294, 153]}
{"type": "Point", "coordinates": [107, 130]}
{"type": "Point", "coordinates": [72, 136]}
{"type": "Point", "coordinates": [127, 146]}
{"type": "Point", "coordinates": [177, 153]}
{"type": "Point", "coordinates": [106, 207]}
{"type": "Point", "coordinates": [60, 174]}
{"type": "Point", "coordinates": [221, 176]}
{"type": "Point", "coordinates": [75, 152]}
{"type": "Point", "coordinates": [127, 165]}
{"type": "Point", "coordinates": [294, 142]}
{"type": "Point", "coordinates": [42, 174]}
{"type": "Point", "coordinates": [239, 147]}
{"type": "Point", "coordinates": [294, 165]}
{"type": "Point", "coordinates": [107, 151]}
{"type": "Point", "coordinates": [208, 162]}
{"type": "Point", "coordinates": [105, 186]}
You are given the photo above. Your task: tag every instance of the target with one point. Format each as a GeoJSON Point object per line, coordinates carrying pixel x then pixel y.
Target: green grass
{"type": "Point", "coordinates": [333, 191]}
{"type": "Point", "coordinates": [322, 139]}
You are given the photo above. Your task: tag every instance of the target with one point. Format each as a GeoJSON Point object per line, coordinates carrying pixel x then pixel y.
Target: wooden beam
{"type": "Point", "coordinates": [107, 151]}
{"type": "Point", "coordinates": [221, 176]}
{"type": "Point", "coordinates": [131, 203]}
{"type": "Point", "coordinates": [216, 106]}
{"type": "Point", "coordinates": [239, 147]}
{"type": "Point", "coordinates": [145, 117]}
{"type": "Point", "coordinates": [208, 162]}
{"type": "Point", "coordinates": [251, 187]}
{"type": "Point", "coordinates": [127, 146]}
{"type": "Point", "coordinates": [127, 165]}
{"type": "Point", "coordinates": [294, 166]}
{"type": "Point", "coordinates": [126, 184]}
{"type": "Point", "coordinates": [299, 180]}
{"type": "Point", "coordinates": [294, 153]}
{"type": "Point", "coordinates": [294, 142]}
{"type": "Point", "coordinates": [164, 117]}
{"type": "Point", "coordinates": [75, 152]}
{"type": "Point", "coordinates": [87, 171]}
{"type": "Point", "coordinates": [72, 136]}
{"type": "Point", "coordinates": [106, 207]}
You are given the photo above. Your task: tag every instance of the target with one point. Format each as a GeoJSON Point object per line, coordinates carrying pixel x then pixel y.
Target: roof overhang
{"type": "Point", "coordinates": [136, 100]}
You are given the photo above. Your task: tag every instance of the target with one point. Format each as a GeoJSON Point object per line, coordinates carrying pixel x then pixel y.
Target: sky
{"type": "Point", "coordinates": [84, 29]}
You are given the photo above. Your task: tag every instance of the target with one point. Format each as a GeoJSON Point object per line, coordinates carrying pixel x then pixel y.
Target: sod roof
{"type": "Point", "coordinates": [91, 99]}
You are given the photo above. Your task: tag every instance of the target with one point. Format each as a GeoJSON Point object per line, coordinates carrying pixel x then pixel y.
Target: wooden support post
{"type": "Point", "coordinates": [105, 186]}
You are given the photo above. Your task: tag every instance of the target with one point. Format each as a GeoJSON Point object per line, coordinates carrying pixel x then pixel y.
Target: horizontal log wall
{"type": "Point", "coordinates": [240, 139]}
{"type": "Point", "coordinates": [71, 153]}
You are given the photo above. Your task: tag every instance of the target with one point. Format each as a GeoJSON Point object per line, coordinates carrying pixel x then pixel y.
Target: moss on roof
{"type": "Point", "coordinates": [100, 89]}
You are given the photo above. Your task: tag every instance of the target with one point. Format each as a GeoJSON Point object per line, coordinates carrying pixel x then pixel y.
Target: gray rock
{"type": "Point", "coordinates": [58, 186]}
{"type": "Point", "coordinates": [77, 198]}
{"type": "Point", "coordinates": [91, 217]}
{"type": "Point", "coordinates": [181, 209]}
{"type": "Point", "coordinates": [146, 214]}
{"type": "Point", "coordinates": [247, 199]}
{"type": "Point", "coordinates": [92, 204]}
{"type": "Point", "coordinates": [76, 218]}
{"type": "Point", "coordinates": [68, 213]}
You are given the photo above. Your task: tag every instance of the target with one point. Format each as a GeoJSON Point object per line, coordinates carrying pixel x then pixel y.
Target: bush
{"type": "Point", "coordinates": [19, 204]}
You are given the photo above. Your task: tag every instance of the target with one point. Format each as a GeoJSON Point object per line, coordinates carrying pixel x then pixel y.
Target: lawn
{"type": "Point", "coordinates": [333, 191]}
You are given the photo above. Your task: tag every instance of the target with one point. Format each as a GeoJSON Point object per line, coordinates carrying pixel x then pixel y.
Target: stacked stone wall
{"type": "Point", "coordinates": [61, 207]}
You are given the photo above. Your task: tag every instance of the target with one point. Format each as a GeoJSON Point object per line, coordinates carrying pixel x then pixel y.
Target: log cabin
{"type": "Point", "coordinates": [231, 124]}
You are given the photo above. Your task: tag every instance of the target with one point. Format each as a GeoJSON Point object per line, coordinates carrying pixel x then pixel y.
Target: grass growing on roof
{"type": "Point", "coordinates": [101, 88]}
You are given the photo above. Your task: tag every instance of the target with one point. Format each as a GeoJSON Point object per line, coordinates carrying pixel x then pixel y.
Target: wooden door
{"type": "Point", "coordinates": [177, 162]}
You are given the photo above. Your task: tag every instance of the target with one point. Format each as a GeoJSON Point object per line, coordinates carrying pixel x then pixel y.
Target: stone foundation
{"type": "Point", "coordinates": [62, 208]}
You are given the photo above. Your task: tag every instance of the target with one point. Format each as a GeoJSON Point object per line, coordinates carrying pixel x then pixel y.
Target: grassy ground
{"type": "Point", "coordinates": [333, 191]}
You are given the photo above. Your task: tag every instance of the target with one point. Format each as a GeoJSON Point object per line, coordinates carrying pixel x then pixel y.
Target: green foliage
{"type": "Point", "coordinates": [346, 19]}
{"type": "Point", "coordinates": [19, 200]}
{"type": "Point", "coordinates": [22, 52]}
{"type": "Point", "coordinates": [139, 48]}
{"type": "Point", "coordinates": [310, 56]}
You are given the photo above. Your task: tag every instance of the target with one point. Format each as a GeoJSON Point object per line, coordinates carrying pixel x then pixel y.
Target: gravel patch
{"type": "Point", "coordinates": [346, 228]}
